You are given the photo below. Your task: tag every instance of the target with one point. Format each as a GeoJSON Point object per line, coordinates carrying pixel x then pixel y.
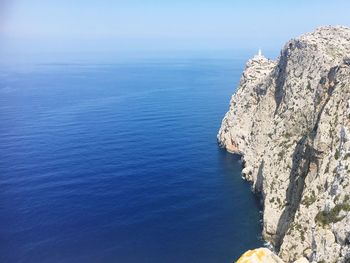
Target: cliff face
{"type": "Point", "coordinates": [290, 121]}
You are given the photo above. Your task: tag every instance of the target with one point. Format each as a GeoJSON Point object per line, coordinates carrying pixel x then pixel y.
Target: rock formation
{"type": "Point", "coordinates": [290, 121]}
{"type": "Point", "coordinates": [259, 255]}
{"type": "Point", "coordinates": [263, 255]}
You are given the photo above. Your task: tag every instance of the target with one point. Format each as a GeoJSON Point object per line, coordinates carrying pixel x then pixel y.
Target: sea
{"type": "Point", "coordinates": [117, 162]}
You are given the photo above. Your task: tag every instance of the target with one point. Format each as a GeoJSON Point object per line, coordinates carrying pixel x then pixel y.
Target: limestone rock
{"type": "Point", "coordinates": [289, 119]}
{"type": "Point", "coordinates": [301, 260]}
{"type": "Point", "coordinates": [259, 255]}
{"type": "Point", "coordinates": [263, 255]}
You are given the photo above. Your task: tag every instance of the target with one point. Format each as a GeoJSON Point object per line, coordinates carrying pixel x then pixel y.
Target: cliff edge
{"type": "Point", "coordinates": [290, 121]}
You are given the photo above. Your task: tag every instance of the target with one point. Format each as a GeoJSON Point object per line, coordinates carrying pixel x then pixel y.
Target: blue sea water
{"type": "Point", "coordinates": [119, 163]}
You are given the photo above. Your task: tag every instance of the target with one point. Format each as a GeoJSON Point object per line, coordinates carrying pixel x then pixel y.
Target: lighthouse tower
{"type": "Point", "coordinates": [259, 56]}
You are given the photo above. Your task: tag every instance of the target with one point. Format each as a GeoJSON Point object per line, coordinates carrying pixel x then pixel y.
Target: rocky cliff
{"type": "Point", "coordinates": [290, 121]}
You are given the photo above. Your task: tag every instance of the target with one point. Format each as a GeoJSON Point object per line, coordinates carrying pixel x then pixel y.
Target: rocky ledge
{"type": "Point", "coordinates": [290, 121]}
{"type": "Point", "coordinates": [264, 255]}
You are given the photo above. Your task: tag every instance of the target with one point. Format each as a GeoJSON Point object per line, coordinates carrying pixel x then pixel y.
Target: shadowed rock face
{"type": "Point", "coordinates": [289, 119]}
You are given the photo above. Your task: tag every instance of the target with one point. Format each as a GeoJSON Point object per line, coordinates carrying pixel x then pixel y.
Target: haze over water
{"type": "Point", "coordinates": [119, 162]}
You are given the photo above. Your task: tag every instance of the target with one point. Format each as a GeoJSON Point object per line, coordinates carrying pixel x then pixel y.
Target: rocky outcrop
{"type": "Point", "coordinates": [290, 121]}
{"type": "Point", "coordinates": [259, 255]}
{"type": "Point", "coordinates": [264, 255]}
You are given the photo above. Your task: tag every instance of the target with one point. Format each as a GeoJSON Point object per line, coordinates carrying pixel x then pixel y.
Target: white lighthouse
{"type": "Point", "coordinates": [259, 56]}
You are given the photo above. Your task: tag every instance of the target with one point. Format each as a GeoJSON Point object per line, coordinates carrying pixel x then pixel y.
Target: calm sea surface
{"type": "Point", "coordinates": [119, 163]}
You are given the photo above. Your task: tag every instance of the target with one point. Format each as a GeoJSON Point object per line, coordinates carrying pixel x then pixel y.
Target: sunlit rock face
{"type": "Point", "coordinates": [263, 255]}
{"type": "Point", "coordinates": [290, 121]}
{"type": "Point", "coordinates": [259, 255]}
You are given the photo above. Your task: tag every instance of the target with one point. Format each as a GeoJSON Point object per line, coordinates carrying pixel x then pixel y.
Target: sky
{"type": "Point", "coordinates": [154, 25]}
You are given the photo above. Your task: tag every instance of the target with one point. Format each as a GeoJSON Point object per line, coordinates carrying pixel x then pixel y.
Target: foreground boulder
{"type": "Point", "coordinates": [263, 255]}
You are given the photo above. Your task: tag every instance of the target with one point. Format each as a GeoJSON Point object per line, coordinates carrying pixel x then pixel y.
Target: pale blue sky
{"type": "Point", "coordinates": [106, 25]}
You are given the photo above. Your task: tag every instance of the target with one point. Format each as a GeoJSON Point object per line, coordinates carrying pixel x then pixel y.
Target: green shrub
{"type": "Point", "coordinates": [337, 154]}
{"type": "Point", "coordinates": [287, 135]}
{"type": "Point", "coordinates": [347, 155]}
{"type": "Point", "coordinates": [325, 218]}
{"type": "Point", "coordinates": [308, 200]}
